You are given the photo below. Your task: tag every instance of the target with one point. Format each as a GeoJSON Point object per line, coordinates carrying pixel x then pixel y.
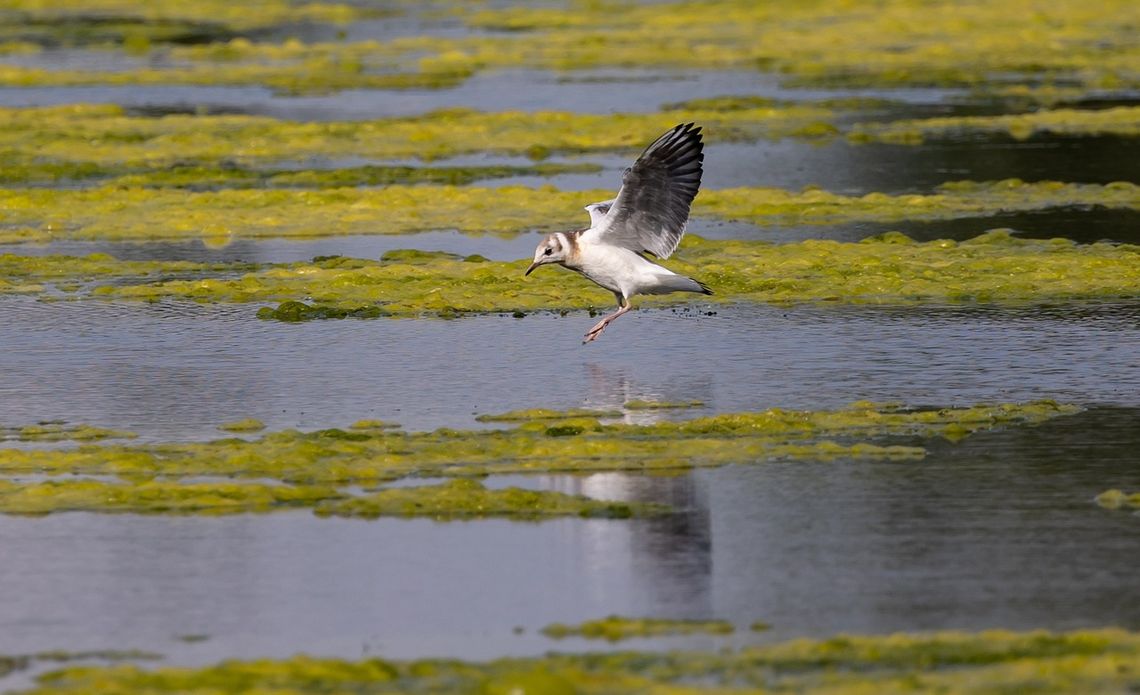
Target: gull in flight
{"type": "Point", "coordinates": [648, 216]}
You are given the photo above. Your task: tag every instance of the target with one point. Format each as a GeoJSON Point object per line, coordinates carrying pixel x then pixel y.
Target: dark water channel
{"type": "Point", "coordinates": [998, 530]}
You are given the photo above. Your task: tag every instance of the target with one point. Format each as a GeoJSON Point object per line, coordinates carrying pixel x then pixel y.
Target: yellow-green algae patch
{"type": "Point", "coordinates": [533, 414]}
{"type": "Point", "coordinates": [155, 497]}
{"type": "Point", "coordinates": [236, 16]}
{"type": "Point", "coordinates": [105, 136]}
{"type": "Point", "coordinates": [615, 628]}
{"type": "Point", "coordinates": [31, 274]}
{"type": "Point", "coordinates": [889, 43]}
{"type": "Point", "coordinates": [109, 212]}
{"type": "Point", "coordinates": [373, 425]}
{"type": "Point", "coordinates": [890, 269]}
{"type": "Point", "coordinates": [1083, 661]}
{"type": "Point", "coordinates": [469, 499]}
{"type": "Point", "coordinates": [1121, 121]}
{"type": "Point", "coordinates": [367, 457]}
{"type": "Point", "coordinates": [951, 200]}
{"type": "Point", "coordinates": [1118, 499]}
{"type": "Point", "coordinates": [244, 425]}
{"type": "Point", "coordinates": [895, 42]}
{"type": "Point", "coordinates": [61, 432]}
{"type": "Point", "coordinates": [456, 499]}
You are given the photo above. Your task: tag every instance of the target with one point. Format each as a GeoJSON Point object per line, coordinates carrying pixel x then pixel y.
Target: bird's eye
{"type": "Point", "coordinates": [548, 251]}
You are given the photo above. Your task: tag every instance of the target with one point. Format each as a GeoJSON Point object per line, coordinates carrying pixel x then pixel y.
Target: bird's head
{"type": "Point", "coordinates": [553, 249]}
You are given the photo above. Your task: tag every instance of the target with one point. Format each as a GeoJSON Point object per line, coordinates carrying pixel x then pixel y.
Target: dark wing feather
{"type": "Point", "coordinates": [652, 207]}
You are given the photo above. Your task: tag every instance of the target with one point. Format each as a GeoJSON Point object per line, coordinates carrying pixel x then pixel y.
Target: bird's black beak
{"type": "Point", "coordinates": [532, 267]}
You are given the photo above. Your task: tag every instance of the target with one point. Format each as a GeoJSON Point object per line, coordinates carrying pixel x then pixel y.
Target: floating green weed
{"type": "Point", "coordinates": [891, 43]}
{"type": "Point", "coordinates": [615, 628]}
{"type": "Point", "coordinates": [85, 135]}
{"type": "Point", "coordinates": [469, 499]}
{"type": "Point", "coordinates": [890, 269]}
{"type": "Point", "coordinates": [543, 414]}
{"type": "Point", "coordinates": [1123, 121]}
{"type": "Point", "coordinates": [243, 425]}
{"type": "Point", "coordinates": [60, 432]}
{"type": "Point", "coordinates": [268, 13]}
{"type": "Point", "coordinates": [1117, 499]}
{"type": "Point", "coordinates": [155, 497]}
{"type": "Point", "coordinates": [113, 213]}
{"type": "Point", "coordinates": [334, 457]}
{"type": "Point", "coordinates": [1084, 661]}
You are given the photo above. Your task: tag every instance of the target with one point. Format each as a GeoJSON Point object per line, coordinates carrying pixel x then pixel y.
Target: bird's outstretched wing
{"type": "Point", "coordinates": [652, 207]}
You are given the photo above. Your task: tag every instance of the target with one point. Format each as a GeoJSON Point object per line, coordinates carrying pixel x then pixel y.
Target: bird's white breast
{"type": "Point", "coordinates": [619, 270]}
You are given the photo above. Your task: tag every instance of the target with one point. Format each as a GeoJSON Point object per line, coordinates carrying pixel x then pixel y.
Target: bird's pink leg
{"type": "Point", "coordinates": [600, 326]}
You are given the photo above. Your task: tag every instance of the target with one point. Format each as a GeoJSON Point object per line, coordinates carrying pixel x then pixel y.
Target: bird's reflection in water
{"type": "Point", "coordinates": [672, 554]}
{"type": "Point", "coordinates": [611, 388]}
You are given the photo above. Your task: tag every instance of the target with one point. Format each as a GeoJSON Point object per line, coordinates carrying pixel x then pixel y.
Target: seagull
{"type": "Point", "coordinates": [648, 216]}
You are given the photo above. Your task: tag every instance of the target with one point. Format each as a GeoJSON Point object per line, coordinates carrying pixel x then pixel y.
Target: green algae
{"type": "Point", "coordinates": [335, 457]}
{"type": "Point", "coordinates": [61, 432]}
{"type": "Point", "coordinates": [897, 42]}
{"type": "Point", "coordinates": [154, 497]}
{"type": "Point", "coordinates": [157, 15]}
{"type": "Point", "coordinates": [952, 200]}
{"type": "Point", "coordinates": [108, 212]}
{"type": "Point", "coordinates": [243, 425]}
{"type": "Point", "coordinates": [33, 274]}
{"type": "Point", "coordinates": [890, 269]}
{"type": "Point", "coordinates": [373, 425]}
{"type": "Point", "coordinates": [545, 414]}
{"type": "Point", "coordinates": [1084, 661]}
{"type": "Point", "coordinates": [106, 136]}
{"type": "Point", "coordinates": [209, 177]}
{"type": "Point", "coordinates": [1123, 121]}
{"type": "Point", "coordinates": [1118, 499]}
{"type": "Point", "coordinates": [889, 43]}
{"type": "Point", "coordinates": [320, 470]}
{"type": "Point", "coordinates": [452, 500]}
{"type": "Point", "coordinates": [469, 499]}
{"type": "Point", "coordinates": [616, 628]}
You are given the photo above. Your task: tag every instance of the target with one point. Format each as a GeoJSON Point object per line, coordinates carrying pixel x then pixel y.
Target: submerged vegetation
{"type": "Point", "coordinates": [291, 469]}
{"type": "Point", "coordinates": [1083, 661]}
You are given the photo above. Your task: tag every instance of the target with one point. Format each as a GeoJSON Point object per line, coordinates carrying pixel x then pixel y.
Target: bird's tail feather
{"type": "Point", "coordinates": [680, 283]}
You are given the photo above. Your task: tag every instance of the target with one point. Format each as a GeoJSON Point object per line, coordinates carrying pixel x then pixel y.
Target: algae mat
{"type": "Point", "coordinates": [292, 470]}
{"type": "Point", "coordinates": [900, 42]}
{"type": "Point", "coordinates": [891, 269]}
{"type": "Point", "coordinates": [1102, 661]}
{"type": "Point", "coordinates": [136, 213]}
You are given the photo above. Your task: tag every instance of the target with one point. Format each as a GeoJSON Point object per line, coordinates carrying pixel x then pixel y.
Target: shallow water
{"type": "Point", "coordinates": [176, 371]}
{"type": "Point", "coordinates": [501, 90]}
{"type": "Point", "coordinates": [998, 530]}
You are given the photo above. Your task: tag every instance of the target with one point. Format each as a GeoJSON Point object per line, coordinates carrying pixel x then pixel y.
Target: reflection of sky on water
{"type": "Point", "coordinates": [177, 370]}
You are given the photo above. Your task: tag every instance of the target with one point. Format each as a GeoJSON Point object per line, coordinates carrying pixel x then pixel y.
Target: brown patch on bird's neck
{"type": "Point", "coordinates": [569, 241]}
